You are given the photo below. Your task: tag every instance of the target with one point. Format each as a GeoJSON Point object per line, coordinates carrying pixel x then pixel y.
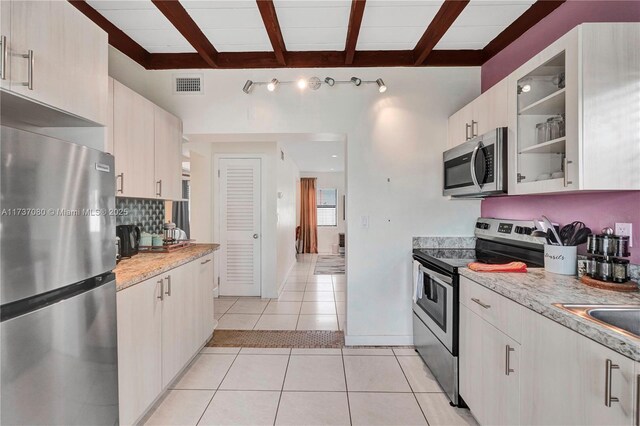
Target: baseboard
{"type": "Point", "coordinates": [378, 340]}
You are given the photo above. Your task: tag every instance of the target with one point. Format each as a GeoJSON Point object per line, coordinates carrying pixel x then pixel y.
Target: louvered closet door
{"type": "Point", "coordinates": [240, 226]}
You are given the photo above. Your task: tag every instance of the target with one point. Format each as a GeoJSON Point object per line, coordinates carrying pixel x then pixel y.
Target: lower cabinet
{"type": "Point", "coordinates": [553, 376]}
{"type": "Point", "coordinates": [162, 323]}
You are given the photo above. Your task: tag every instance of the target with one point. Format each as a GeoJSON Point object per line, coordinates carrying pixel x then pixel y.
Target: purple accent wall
{"type": "Point", "coordinates": [596, 210]}
{"type": "Point", "coordinates": [558, 23]}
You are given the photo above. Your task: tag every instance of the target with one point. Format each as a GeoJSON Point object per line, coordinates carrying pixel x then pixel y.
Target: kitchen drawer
{"type": "Point", "coordinates": [497, 310]}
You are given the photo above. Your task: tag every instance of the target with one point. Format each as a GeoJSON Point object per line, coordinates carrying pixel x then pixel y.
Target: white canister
{"type": "Point", "coordinates": [561, 259]}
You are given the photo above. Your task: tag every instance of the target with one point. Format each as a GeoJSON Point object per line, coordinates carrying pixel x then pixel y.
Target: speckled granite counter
{"type": "Point", "coordinates": [146, 265]}
{"type": "Point", "coordinates": [539, 290]}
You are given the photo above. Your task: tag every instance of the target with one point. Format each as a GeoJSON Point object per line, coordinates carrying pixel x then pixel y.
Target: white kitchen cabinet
{"type": "Point", "coordinates": [564, 378]}
{"type": "Point", "coordinates": [585, 81]}
{"type": "Point", "coordinates": [205, 279]}
{"type": "Point", "coordinates": [108, 145]}
{"type": "Point", "coordinates": [168, 155]}
{"type": "Point", "coordinates": [485, 113]}
{"type": "Point", "coordinates": [133, 143]}
{"type": "Point", "coordinates": [58, 57]}
{"type": "Point", "coordinates": [139, 343]}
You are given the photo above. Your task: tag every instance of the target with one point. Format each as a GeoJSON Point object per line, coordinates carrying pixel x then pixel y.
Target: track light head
{"type": "Point", "coordinates": [247, 87]}
{"type": "Point", "coordinates": [357, 81]}
{"type": "Point", "coordinates": [381, 86]}
{"type": "Point", "coordinates": [329, 81]}
{"type": "Point", "coordinates": [271, 86]}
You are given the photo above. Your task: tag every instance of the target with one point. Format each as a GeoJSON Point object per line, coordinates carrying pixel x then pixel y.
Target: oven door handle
{"type": "Point", "coordinates": [443, 279]}
{"type": "Point", "coordinates": [431, 291]}
{"type": "Point", "coordinates": [473, 165]}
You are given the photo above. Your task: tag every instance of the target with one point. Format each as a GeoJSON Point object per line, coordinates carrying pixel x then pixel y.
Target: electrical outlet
{"type": "Point", "coordinates": [625, 229]}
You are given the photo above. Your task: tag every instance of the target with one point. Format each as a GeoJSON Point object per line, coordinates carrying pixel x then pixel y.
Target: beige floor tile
{"type": "Point", "coordinates": [341, 307]}
{"type": "Point", "coordinates": [181, 407]}
{"type": "Point", "coordinates": [438, 411]}
{"type": "Point", "coordinates": [342, 322]}
{"type": "Point", "coordinates": [295, 286]}
{"type": "Point", "coordinates": [318, 296]}
{"type": "Point", "coordinates": [291, 296]}
{"type": "Point", "coordinates": [248, 307]}
{"type": "Point", "coordinates": [340, 296]}
{"type": "Point", "coordinates": [405, 351]}
{"type": "Point", "coordinates": [315, 373]}
{"type": "Point", "coordinates": [284, 308]}
{"type": "Point", "coordinates": [385, 409]}
{"type": "Point", "coordinates": [265, 351]}
{"type": "Point", "coordinates": [317, 322]}
{"type": "Point", "coordinates": [339, 278]}
{"type": "Point", "coordinates": [419, 376]}
{"type": "Point", "coordinates": [325, 308]}
{"type": "Point", "coordinates": [237, 322]}
{"type": "Point", "coordinates": [242, 408]}
{"type": "Point", "coordinates": [320, 279]}
{"type": "Point", "coordinates": [256, 372]}
{"type": "Point", "coordinates": [367, 351]}
{"type": "Point", "coordinates": [340, 287]}
{"type": "Point", "coordinates": [277, 322]}
{"type": "Point", "coordinates": [374, 373]}
{"type": "Point", "coordinates": [313, 408]}
{"type": "Point", "coordinates": [316, 351]}
{"type": "Point", "coordinates": [206, 372]}
{"type": "Point", "coordinates": [312, 286]}
{"type": "Point", "coordinates": [219, 350]}
{"type": "Point", "coordinates": [217, 316]}
{"type": "Point", "coordinates": [222, 305]}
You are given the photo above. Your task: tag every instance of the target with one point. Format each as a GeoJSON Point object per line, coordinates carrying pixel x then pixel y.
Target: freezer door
{"type": "Point", "coordinates": [57, 225]}
{"type": "Point", "coordinates": [60, 362]}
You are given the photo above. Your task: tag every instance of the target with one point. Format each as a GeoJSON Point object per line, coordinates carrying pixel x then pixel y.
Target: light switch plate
{"type": "Point", "coordinates": [364, 221]}
{"type": "Point", "coordinates": [625, 229]}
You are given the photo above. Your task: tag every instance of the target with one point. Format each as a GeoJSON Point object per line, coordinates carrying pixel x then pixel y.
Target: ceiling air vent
{"type": "Point", "coordinates": [188, 84]}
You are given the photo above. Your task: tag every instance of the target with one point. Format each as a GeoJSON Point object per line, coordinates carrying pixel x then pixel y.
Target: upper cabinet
{"type": "Point", "coordinates": [146, 142]}
{"type": "Point", "coordinates": [488, 111]}
{"type": "Point", "coordinates": [55, 55]}
{"type": "Point", "coordinates": [572, 126]}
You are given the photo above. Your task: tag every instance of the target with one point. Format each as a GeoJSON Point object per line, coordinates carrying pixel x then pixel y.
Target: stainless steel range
{"type": "Point", "coordinates": [436, 305]}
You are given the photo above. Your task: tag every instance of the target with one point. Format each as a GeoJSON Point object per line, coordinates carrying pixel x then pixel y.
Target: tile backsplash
{"type": "Point", "coordinates": [148, 214]}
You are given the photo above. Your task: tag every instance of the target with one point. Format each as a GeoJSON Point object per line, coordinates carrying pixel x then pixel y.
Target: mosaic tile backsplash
{"type": "Point", "coordinates": [148, 214]}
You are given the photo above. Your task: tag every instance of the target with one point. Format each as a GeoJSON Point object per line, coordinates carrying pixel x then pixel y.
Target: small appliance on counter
{"type": "Point", "coordinates": [172, 238]}
{"type": "Point", "coordinates": [129, 240]}
{"type": "Point", "coordinates": [605, 267]}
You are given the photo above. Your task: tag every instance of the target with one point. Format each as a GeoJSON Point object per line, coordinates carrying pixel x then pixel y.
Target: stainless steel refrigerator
{"type": "Point", "coordinates": [58, 337]}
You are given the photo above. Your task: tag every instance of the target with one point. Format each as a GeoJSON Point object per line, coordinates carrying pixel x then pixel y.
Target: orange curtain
{"type": "Point", "coordinates": [308, 215]}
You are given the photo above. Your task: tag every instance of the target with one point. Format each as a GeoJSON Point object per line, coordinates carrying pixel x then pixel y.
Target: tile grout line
{"type": "Point", "coordinates": [218, 387]}
{"type": "Point", "coordinates": [410, 387]}
{"type": "Point", "coordinates": [346, 386]}
{"type": "Point", "coordinates": [282, 389]}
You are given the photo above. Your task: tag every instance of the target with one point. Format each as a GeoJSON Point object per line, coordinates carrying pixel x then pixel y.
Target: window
{"type": "Point", "coordinates": [327, 203]}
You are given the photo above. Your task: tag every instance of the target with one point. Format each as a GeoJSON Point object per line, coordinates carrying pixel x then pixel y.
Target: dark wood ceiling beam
{"type": "Point", "coordinates": [271, 24]}
{"type": "Point", "coordinates": [355, 21]}
{"type": "Point", "coordinates": [180, 18]}
{"type": "Point", "coordinates": [538, 11]}
{"type": "Point", "coordinates": [117, 37]}
{"type": "Point", "coordinates": [447, 14]}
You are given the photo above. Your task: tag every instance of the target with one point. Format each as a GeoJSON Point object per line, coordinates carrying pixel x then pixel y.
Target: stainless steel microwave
{"type": "Point", "coordinates": [478, 167]}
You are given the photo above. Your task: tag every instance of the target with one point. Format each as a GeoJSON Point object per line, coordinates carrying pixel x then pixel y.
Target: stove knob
{"type": "Point", "coordinates": [528, 230]}
{"type": "Point", "coordinates": [479, 225]}
{"type": "Point", "coordinates": [519, 230]}
{"type": "Point", "coordinates": [485, 226]}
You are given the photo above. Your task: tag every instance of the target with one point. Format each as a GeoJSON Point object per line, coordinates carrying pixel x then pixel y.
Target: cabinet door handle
{"type": "Point", "coordinates": [566, 163]}
{"type": "Point", "coordinates": [29, 57]}
{"type": "Point", "coordinates": [121, 177]}
{"type": "Point", "coordinates": [168, 278]}
{"type": "Point", "coordinates": [161, 282]}
{"type": "Point", "coordinates": [507, 360]}
{"type": "Point", "coordinates": [159, 184]}
{"type": "Point", "coordinates": [205, 262]}
{"type": "Point", "coordinates": [467, 126]}
{"type": "Point", "coordinates": [3, 60]}
{"type": "Point", "coordinates": [474, 133]}
{"type": "Point", "coordinates": [484, 305]}
{"type": "Point", "coordinates": [608, 369]}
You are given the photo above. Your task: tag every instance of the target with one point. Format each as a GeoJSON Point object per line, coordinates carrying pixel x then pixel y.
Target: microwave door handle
{"type": "Point", "coordinates": [473, 166]}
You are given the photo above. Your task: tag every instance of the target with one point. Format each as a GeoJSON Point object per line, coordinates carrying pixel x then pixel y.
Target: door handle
{"type": "Point", "coordinates": [121, 177]}
{"type": "Point", "coordinates": [507, 360]}
{"type": "Point", "coordinates": [566, 162]}
{"type": "Point", "coordinates": [161, 282]}
{"type": "Point", "coordinates": [474, 178]}
{"type": "Point", "coordinates": [255, 236]}
{"type": "Point", "coordinates": [29, 57]}
{"type": "Point", "coordinates": [474, 133]}
{"type": "Point", "coordinates": [484, 305]}
{"type": "Point", "coordinates": [159, 183]}
{"type": "Point", "coordinates": [168, 278]}
{"type": "Point", "coordinates": [3, 60]}
{"type": "Point", "coordinates": [205, 262]}
{"type": "Point", "coordinates": [608, 369]}
{"type": "Point", "coordinates": [467, 126]}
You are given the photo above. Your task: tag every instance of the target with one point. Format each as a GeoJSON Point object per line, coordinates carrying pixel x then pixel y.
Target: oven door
{"type": "Point", "coordinates": [435, 306]}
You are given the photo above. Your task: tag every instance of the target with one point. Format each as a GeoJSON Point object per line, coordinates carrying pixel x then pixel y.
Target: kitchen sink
{"type": "Point", "coordinates": [622, 318]}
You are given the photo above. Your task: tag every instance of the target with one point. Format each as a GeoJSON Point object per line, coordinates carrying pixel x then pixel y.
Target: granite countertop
{"type": "Point", "coordinates": [538, 290]}
{"type": "Point", "coordinates": [138, 268]}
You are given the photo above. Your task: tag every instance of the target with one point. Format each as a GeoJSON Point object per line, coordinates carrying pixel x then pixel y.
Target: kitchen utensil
{"type": "Point", "coordinates": [553, 230]}
{"type": "Point", "coordinates": [574, 232]}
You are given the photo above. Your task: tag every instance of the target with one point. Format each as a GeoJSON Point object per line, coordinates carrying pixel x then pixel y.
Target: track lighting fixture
{"type": "Point", "coordinates": [313, 83]}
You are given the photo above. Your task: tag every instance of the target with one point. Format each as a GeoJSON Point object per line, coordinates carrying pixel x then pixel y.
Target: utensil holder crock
{"type": "Point", "coordinates": [561, 260]}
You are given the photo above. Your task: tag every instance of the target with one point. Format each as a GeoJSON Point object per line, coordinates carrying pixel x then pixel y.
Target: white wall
{"type": "Point", "coordinates": [393, 175]}
{"type": "Point", "coordinates": [288, 181]}
{"type": "Point", "coordinates": [328, 235]}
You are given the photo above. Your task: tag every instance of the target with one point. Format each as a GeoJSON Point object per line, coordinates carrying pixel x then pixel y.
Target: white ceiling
{"type": "Point", "coordinates": [144, 23]}
{"type": "Point", "coordinates": [312, 156]}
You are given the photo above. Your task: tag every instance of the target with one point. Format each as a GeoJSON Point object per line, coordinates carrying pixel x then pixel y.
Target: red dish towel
{"type": "Point", "coordinates": [507, 267]}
